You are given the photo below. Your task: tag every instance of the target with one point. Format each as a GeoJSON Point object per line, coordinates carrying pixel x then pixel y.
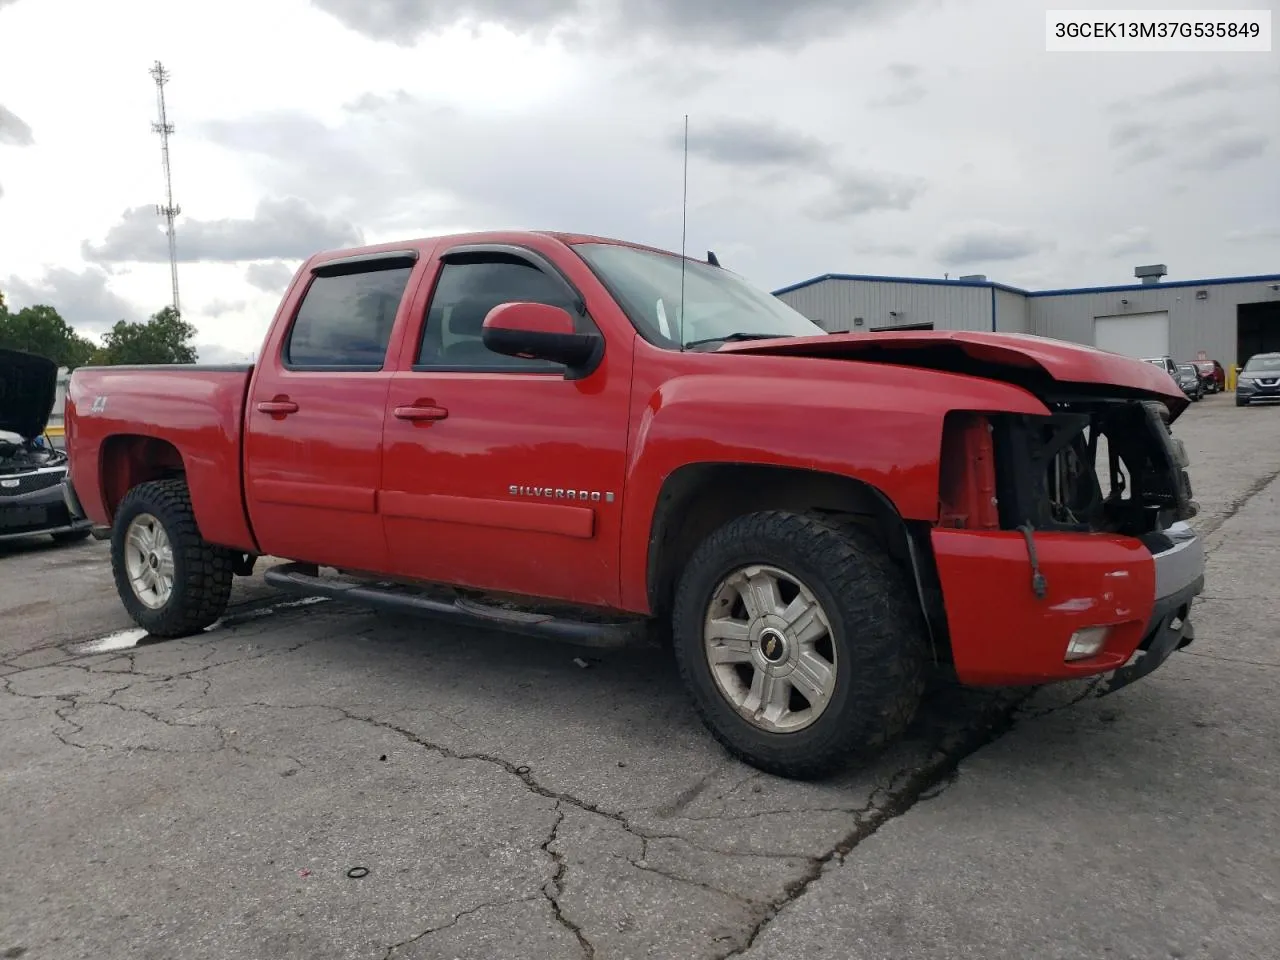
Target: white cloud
{"type": "Point", "coordinates": [280, 227]}
{"type": "Point", "coordinates": [81, 297]}
{"type": "Point", "coordinates": [1132, 240]}
{"type": "Point", "coordinates": [980, 243]}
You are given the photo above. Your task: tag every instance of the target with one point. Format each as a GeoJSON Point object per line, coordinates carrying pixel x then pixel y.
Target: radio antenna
{"type": "Point", "coordinates": [169, 210]}
{"type": "Point", "coordinates": [684, 227]}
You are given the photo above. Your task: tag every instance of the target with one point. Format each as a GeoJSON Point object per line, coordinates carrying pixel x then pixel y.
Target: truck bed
{"type": "Point", "coordinates": [195, 408]}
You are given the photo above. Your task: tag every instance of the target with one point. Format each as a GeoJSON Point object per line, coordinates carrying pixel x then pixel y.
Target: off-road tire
{"type": "Point", "coordinates": [201, 571]}
{"type": "Point", "coordinates": [70, 536]}
{"type": "Point", "coordinates": [876, 625]}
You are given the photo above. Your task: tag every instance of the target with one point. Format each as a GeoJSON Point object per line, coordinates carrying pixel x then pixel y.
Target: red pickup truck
{"type": "Point", "coordinates": [578, 437]}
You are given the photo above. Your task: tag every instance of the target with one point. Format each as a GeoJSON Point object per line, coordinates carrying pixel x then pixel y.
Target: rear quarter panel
{"type": "Point", "coordinates": [123, 425]}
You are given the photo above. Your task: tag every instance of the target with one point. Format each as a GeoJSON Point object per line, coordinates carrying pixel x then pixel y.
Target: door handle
{"type": "Point", "coordinates": [278, 407]}
{"type": "Point", "coordinates": [424, 412]}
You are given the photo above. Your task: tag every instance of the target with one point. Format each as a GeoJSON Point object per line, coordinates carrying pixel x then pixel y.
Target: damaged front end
{"type": "Point", "coordinates": [1092, 466]}
{"type": "Point", "coordinates": [1081, 516]}
{"type": "Point", "coordinates": [1109, 466]}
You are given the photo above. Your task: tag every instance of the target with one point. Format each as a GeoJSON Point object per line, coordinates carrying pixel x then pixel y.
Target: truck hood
{"type": "Point", "coordinates": [28, 386]}
{"type": "Point", "coordinates": [1038, 363]}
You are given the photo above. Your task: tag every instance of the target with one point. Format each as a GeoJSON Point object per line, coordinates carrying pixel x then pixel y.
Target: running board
{"type": "Point", "coordinates": [304, 579]}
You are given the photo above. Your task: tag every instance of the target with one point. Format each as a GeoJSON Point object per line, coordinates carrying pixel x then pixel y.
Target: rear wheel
{"type": "Point", "coordinates": [800, 641]}
{"type": "Point", "coordinates": [172, 582]}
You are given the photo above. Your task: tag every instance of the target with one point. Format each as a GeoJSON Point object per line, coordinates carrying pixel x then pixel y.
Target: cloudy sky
{"type": "Point", "coordinates": [903, 137]}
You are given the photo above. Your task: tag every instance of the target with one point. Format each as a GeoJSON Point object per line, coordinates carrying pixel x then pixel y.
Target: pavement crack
{"type": "Point", "coordinates": [934, 792]}
{"type": "Point", "coordinates": [1214, 656]}
{"type": "Point", "coordinates": [921, 783]}
{"type": "Point", "coordinates": [524, 774]}
{"type": "Point", "coordinates": [1237, 504]}
{"type": "Point", "coordinates": [759, 814]}
{"type": "Point", "coordinates": [452, 921]}
{"type": "Point", "coordinates": [553, 889]}
{"type": "Point", "coordinates": [521, 772]}
{"type": "Point", "coordinates": [685, 797]}
{"type": "Point", "coordinates": [69, 704]}
{"type": "Point", "coordinates": [1089, 690]}
{"type": "Point", "coordinates": [640, 864]}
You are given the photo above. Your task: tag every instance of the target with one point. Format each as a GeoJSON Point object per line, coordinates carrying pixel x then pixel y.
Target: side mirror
{"type": "Point", "coordinates": [538, 331]}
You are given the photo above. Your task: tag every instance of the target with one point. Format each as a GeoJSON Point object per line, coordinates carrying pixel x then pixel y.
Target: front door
{"type": "Point", "coordinates": [313, 436]}
{"type": "Point", "coordinates": [500, 474]}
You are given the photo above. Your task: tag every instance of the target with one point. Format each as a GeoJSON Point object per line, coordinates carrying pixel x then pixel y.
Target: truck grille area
{"type": "Point", "coordinates": [16, 485]}
{"type": "Point", "coordinates": [1094, 465]}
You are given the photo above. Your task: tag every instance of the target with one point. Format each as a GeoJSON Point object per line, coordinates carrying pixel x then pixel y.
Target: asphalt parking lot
{"type": "Point", "coordinates": [306, 780]}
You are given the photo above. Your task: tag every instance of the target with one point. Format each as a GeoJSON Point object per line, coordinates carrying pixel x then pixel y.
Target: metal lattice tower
{"type": "Point", "coordinates": [169, 210]}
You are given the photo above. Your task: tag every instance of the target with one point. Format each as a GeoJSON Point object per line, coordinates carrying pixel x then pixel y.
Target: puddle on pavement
{"type": "Point", "coordinates": [128, 639]}
{"type": "Point", "coordinates": [120, 640]}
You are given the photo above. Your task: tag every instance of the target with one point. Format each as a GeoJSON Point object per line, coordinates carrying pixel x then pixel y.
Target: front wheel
{"type": "Point", "coordinates": [801, 642]}
{"type": "Point", "coordinates": [172, 582]}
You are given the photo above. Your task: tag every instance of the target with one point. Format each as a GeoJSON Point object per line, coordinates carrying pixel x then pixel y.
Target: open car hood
{"type": "Point", "coordinates": [1038, 363]}
{"type": "Point", "coordinates": [28, 386]}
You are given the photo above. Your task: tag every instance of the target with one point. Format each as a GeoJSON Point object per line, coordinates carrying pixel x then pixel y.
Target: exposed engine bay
{"type": "Point", "coordinates": [24, 456]}
{"type": "Point", "coordinates": [1095, 465]}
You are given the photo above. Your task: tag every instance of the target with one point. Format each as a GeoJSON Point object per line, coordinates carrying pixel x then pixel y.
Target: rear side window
{"type": "Point", "coordinates": [345, 321]}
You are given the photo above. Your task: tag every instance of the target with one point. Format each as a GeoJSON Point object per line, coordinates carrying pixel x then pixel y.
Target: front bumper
{"type": "Point", "coordinates": [1254, 390]}
{"type": "Point", "coordinates": [1002, 634]}
{"type": "Point", "coordinates": [38, 513]}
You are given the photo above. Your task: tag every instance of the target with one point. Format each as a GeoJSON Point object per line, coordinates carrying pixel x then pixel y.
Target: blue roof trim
{"type": "Point", "coordinates": [1120, 288]}
{"type": "Point", "coordinates": [1065, 291]}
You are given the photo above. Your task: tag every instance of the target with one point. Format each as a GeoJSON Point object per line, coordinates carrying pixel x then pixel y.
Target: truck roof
{"type": "Point", "coordinates": [422, 244]}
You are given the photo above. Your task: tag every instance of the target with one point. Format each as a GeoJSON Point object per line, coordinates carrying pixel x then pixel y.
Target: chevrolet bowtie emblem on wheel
{"type": "Point", "coordinates": [559, 493]}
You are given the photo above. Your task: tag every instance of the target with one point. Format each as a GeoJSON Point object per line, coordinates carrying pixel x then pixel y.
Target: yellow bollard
{"type": "Point", "coordinates": [1232, 371]}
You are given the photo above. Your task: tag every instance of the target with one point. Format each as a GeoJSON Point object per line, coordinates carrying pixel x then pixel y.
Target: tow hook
{"type": "Point", "coordinates": [1038, 583]}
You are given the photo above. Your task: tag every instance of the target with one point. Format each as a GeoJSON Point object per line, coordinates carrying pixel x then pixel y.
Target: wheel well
{"type": "Point", "coordinates": [699, 498]}
{"type": "Point", "coordinates": [130, 459]}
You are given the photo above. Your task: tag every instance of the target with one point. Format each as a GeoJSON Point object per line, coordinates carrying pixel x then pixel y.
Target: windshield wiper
{"type": "Point", "coordinates": [731, 337]}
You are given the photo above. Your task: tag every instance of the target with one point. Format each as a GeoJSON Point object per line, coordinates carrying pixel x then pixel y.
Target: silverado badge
{"type": "Point", "coordinates": [558, 493]}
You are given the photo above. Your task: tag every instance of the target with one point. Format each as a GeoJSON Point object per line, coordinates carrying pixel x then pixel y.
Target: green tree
{"type": "Point", "coordinates": [164, 338]}
{"type": "Point", "coordinates": [42, 331]}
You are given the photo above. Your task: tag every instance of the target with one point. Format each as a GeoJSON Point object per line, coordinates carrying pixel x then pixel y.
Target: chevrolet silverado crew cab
{"type": "Point", "coordinates": [578, 437]}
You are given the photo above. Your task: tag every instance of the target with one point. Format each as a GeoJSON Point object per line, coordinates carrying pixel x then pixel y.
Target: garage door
{"type": "Point", "coordinates": [1133, 334]}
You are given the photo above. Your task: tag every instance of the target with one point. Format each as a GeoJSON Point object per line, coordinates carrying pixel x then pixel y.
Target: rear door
{"type": "Point", "coordinates": [517, 486]}
{"type": "Point", "coordinates": [314, 418]}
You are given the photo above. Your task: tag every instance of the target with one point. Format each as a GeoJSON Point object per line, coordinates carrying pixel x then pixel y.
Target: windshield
{"type": "Point", "coordinates": [1268, 364]}
{"type": "Point", "coordinates": [1187, 370]}
{"type": "Point", "coordinates": [717, 303]}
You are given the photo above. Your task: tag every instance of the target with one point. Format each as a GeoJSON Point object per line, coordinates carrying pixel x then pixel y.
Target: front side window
{"type": "Point", "coordinates": [706, 304]}
{"type": "Point", "coordinates": [346, 320]}
{"type": "Point", "coordinates": [465, 293]}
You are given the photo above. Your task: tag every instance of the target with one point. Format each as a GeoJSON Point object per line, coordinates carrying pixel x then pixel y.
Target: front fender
{"type": "Point", "coordinates": [881, 426]}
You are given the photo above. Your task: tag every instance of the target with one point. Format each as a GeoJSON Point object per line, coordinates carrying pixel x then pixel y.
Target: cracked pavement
{"type": "Point", "coordinates": [207, 798]}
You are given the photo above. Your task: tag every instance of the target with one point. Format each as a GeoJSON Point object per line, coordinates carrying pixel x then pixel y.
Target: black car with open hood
{"type": "Point", "coordinates": [28, 386]}
{"type": "Point", "coordinates": [34, 498]}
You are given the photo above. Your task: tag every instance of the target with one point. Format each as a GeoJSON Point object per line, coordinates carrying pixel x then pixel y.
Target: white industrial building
{"type": "Point", "coordinates": [1225, 319]}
